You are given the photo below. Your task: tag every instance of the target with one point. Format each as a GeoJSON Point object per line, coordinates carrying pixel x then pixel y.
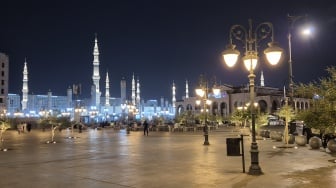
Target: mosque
{"type": "Point", "coordinates": [100, 108]}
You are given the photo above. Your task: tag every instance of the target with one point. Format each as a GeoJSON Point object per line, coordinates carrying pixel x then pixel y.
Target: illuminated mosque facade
{"type": "Point", "coordinates": [103, 107]}
{"type": "Point", "coordinates": [98, 108]}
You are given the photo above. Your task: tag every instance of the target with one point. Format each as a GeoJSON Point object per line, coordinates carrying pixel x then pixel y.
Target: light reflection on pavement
{"type": "Point", "coordinates": [109, 158]}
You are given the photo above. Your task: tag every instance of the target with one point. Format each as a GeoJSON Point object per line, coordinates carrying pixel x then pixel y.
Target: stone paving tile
{"type": "Point", "coordinates": [108, 158]}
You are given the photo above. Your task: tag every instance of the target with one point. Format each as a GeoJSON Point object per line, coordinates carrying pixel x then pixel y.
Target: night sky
{"type": "Point", "coordinates": [160, 41]}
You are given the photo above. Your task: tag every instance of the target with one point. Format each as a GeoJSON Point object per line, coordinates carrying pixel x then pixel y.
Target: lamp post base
{"type": "Point", "coordinates": [206, 140]}
{"type": "Point", "coordinates": [254, 168]}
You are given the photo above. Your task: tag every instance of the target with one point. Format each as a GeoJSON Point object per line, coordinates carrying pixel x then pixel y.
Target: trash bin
{"type": "Point", "coordinates": [233, 146]}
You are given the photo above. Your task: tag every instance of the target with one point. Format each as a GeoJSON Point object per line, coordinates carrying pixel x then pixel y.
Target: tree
{"type": "Point", "coordinates": [322, 114]}
{"type": "Point", "coordinates": [64, 122]}
{"type": "Point", "coordinates": [286, 111]}
{"type": "Point", "coordinates": [186, 118]}
{"type": "Point", "coordinates": [261, 119]}
{"type": "Point", "coordinates": [240, 117]}
{"type": "Point", "coordinates": [288, 114]}
{"type": "Point", "coordinates": [4, 125]}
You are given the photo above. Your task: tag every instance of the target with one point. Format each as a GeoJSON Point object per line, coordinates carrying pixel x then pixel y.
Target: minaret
{"type": "Point", "coordinates": [166, 104]}
{"type": "Point", "coordinates": [174, 99]}
{"type": "Point", "coordinates": [123, 90]}
{"type": "Point", "coordinates": [138, 102]}
{"type": "Point", "coordinates": [25, 87]}
{"type": "Point", "coordinates": [138, 92]}
{"type": "Point", "coordinates": [162, 102]}
{"type": "Point", "coordinates": [187, 90]}
{"type": "Point", "coordinates": [49, 100]}
{"type": "Point", "coordinates": [95, 76]}
{"type": "Point", "coordinates": [133, 90]}
{"type": "Point", "coordinates": [69, 97]}
{"type": "Point", "coordinates": [262, 83]}
{"type": "Point", "coordinates": [107, 91]}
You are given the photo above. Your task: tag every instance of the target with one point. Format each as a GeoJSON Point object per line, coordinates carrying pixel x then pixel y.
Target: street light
{"type": "Point", "coordinates": [132, 110]}
{"type": "Point", "coordinates": [250, 38]}
{"type": "Point", "coordinates": [123, 107]}
{"type": "Point", "coordinates": [305, 31]}
{"type": "Point", "coordinates": [202, 91]}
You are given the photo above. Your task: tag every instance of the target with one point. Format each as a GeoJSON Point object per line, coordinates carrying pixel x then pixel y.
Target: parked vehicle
{"type": "Point", "coordinates": [275, 120]}
{"type": "Point", "coordinates": [297, 127]}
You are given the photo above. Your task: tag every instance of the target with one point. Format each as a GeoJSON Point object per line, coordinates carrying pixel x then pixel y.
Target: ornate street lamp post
{"type": "Point", "coordinates": [250, 38]}
{"type": "Point", "coordinates": [203, 93]}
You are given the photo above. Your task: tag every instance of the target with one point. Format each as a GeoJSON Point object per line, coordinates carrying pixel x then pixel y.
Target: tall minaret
{"type": "Point", "coordinates": [123, 90]}
{"type": "Point", "coordinates": [162, 102]}
{"type": "Point", "coordinates": [24, 102]}
{"type": "Point", "coordinates": [138, 102]}
{"type": "Point", "coordinates": [262, 83]}
{"type": "Point", "coordinates": [187, 90]}
{"type": "Point", "coordinates": [107, 91]}
{"type": "Point", "coordinates": [133, 90]}
{"type": "Point", "coordinates": [49, 100]}
{"type": "Point", "coordinates": [138, 92]}
{"type": "Point", "coordinates": [69, 97]}
{"type": "Point", "coordinates": [95, 76]}
{"type": "Point", "coordinates": [174, 99]}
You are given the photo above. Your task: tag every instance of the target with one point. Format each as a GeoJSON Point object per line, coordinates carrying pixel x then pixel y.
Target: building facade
{"type": "Point", "coordinates": [231, 98]}
{"type": "Point", "coordinates": [4, 71]}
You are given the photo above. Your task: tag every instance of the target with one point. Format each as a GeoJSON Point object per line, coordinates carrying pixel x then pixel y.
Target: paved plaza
{"type": "Point", "coordinates": [112, 158]}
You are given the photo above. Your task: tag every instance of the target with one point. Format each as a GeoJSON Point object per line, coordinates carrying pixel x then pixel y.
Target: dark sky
{"type": "Point", "coordinates": [160, 41]}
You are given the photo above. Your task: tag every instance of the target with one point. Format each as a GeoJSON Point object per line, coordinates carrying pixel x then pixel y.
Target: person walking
{"type": "Point", "coordinates": [145, 126]}
{"type": "Point", "coordinates": [29, 127]}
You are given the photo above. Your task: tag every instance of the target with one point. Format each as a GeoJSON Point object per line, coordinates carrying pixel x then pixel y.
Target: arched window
{"type": "Point", "coordinates": [223, 109]}
{"type": "Point", "coordinates": [215, 108]}
{"type": "Point", "coordinates": [262, 105]}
